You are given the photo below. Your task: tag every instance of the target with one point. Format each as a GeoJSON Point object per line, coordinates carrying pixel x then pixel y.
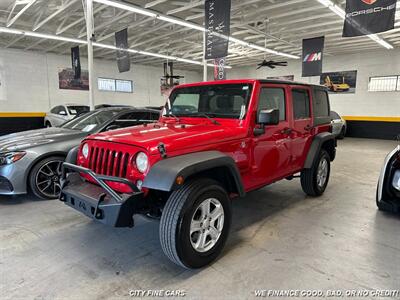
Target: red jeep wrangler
{"type": "Point", "coordinates": [214, 141]}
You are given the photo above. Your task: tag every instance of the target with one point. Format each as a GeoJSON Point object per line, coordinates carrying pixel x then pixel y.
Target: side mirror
{"type": "Point", "coordinates": [268, 117]}
{"type": "Point", "coordinates": [112, 127]}
{"type": "Point", "coordinates": [62, 113]}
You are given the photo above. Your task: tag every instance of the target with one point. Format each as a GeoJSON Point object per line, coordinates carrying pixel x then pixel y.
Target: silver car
{"type": "Point", "coordinates": [60, 114]}
{"type": "Point", "coordinates": [339, 126]}
{"type": "Point", "coordinates": [388, 190]}
{"type": "Point", "coordinates": [32, 160]}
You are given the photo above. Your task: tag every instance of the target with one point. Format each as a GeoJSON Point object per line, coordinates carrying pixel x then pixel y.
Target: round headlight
{"type": "Point", "coordinates": [85, 150]}
{"type": "Point", "coordinates": [142, 162]}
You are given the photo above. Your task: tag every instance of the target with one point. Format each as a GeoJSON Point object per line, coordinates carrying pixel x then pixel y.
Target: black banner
{"type": "Point", "coordinates": [76, 62]}
{"type": "Point", "coordinates": [219, 68]}
{"type": "Point", "coordinates": [217, 20]}
{"type": "Point", "coordinates": [312, 56]}
{"type": "Point", "coordinates": [123, 58]}
{"type": "Point", "coordinates": [364, 17]}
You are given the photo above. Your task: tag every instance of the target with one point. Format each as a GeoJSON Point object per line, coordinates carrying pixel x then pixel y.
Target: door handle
{"type": "Point", "coordinates": [287, 131]}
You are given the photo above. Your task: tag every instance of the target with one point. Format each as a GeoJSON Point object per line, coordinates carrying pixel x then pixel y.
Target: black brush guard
{"type": "Point", "coordinates": [99, 202]}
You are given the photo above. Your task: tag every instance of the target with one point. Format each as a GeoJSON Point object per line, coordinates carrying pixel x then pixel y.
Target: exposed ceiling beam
{"type": "Point", "coordinates": [190, 25]}
{"type": "Point", "coordinates": [54, 14]}
{"type": "Point", "coordinates": [28, 3]}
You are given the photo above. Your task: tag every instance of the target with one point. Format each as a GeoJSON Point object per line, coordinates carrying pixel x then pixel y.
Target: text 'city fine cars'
{"type": "Point", "coordinates": [215, 141]}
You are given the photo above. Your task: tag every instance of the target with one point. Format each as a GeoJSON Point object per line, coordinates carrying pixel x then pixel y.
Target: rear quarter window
{"type": "Point", "coordinates": [321, 104]}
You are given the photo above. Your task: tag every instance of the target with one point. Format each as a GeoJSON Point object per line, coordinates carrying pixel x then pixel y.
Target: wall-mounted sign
{"type": "Point", "coordinates": [340, 82]}
{"type": "Point", "coordinates": [67, 81]}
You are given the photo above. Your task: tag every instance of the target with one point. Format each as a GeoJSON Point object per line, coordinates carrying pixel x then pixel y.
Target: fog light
{"type": "Point", "coordinates": [139, 184]}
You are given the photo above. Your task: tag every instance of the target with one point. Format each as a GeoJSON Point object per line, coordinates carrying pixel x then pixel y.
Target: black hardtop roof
{"type": "Point", "coordinates": [278, 81]}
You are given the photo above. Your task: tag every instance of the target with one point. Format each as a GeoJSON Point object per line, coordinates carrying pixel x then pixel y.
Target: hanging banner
{"type": "Point", "coordinates": [312, 56]}
{"type": "Point", "coordinates": [365, 17]}
{"type": "Point", "coordinates": [219, 68]}
{"type": "Point", "coordinates": [76, 62]}
{"type": "Point", "coordinates": [123, 58]}
{"type": "Point", "coordinates": [217, 21]}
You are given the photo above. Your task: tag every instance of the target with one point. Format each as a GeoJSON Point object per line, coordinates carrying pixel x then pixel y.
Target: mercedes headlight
{"type": "Point", "coordinates": [11, 157]}
{"type": "Point", "coordinates": [142, 162]}
{"type": "Point", "coordinates": [85, 151]}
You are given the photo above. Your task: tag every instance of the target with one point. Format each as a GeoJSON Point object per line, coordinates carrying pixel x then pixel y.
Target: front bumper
{"type": "Point", "coordinates": [388, 191]}
{"type": "Point", "coordinates": [100, 202]}
{"type": "Point", "coordinates": [13, 177]}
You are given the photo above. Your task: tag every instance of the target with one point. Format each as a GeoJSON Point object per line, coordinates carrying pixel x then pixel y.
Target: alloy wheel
{"type": "Point", "coordinates": [206, 225]}
{"type": "Point", "coordinates": [48, 179]}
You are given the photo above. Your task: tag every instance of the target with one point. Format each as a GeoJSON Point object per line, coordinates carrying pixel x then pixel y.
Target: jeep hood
{"type": "Point", "coordinates": [174, 136]}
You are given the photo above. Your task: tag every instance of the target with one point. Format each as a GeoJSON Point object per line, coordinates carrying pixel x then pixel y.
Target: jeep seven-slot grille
{"type": "Point", "coordinates": [108, 162]}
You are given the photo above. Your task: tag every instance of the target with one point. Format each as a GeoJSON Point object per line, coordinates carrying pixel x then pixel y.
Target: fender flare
{"type": "Point", "coordinates": [316, 145]}
{"type": "Point", "coordinates": [162, 175]}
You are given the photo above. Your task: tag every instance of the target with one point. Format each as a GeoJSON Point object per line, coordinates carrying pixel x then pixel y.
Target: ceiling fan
{"type": "Point", "coordinates": [272, 64]}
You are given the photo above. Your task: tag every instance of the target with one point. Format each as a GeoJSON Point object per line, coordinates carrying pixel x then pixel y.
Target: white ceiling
{"type": "Point", "coordinates": [277, 24]}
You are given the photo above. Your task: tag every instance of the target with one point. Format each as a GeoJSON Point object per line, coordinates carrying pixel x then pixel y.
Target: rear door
{"type": "Point", "coordinates": [302, 124]}
{"type": "Point", "coordinates": [272, 149]}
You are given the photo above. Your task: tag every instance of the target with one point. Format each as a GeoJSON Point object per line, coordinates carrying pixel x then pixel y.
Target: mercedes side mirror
{"type": "Point", "coordinates": [268, 117]}
{"type": "Point", "coordinates": [62, 113]}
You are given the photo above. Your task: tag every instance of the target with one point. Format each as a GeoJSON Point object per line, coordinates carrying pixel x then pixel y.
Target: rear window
{"type": "Point", "coordinates": [301, 104]}
{"type": "Point", "coordinates": [78, 110]}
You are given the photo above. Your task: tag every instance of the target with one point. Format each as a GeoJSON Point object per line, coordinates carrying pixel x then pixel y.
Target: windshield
{"type": "Point", "coordinates": [78, 110]}
{"type": "Point", "coordinates": [91, 121]}
{"type": "Point", "coordinates": [220, 101]}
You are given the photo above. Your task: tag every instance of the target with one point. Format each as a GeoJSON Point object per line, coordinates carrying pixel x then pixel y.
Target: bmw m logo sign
{"type": "Point", "coordinates": [317, 56]}
{"type": "Point", "coordinates": [369, 2]}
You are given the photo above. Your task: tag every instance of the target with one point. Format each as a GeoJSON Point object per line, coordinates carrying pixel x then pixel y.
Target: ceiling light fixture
{"type": "Point", "coordinates": [191, 25]}
{"type": "Point", "coordinates": [100, 45]}
{"type": "Point", "coordinates": [342, 14]}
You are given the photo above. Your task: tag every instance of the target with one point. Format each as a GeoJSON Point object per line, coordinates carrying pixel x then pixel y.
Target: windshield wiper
{"type": "Point", "coordinates": [200, 114]}
{"type": "Point", "coordinates": [172, 115]}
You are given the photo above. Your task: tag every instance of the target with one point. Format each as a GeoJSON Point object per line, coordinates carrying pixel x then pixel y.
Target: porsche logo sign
{"type": "Point", "coordinates": [370, 2]}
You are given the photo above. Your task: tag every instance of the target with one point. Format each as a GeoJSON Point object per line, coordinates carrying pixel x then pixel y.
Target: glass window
{"type": "Point", "coordinates": [384, 84]}
{"type": "Point", "coordinates": [320, 103]}
{"type": "Point", "coordinates": [124, 86]}
{"type": "Point", "coordinates": [90, 121]}
{"type": "Point", "coordinates": [273, 98]}
{"type": "Point", "coordinates": [106, 84]}
{"type": "Point", "coordinates": [221, 101]}
{"type": "Point", "coordinates": [62, 110]}
{"type": "Point", "coordinates": [115, 85]}
{"type": "Point", "coordinates": [334, 115]}
{"type": "Point", "coordinates": [55, 110]}
{"type": "Point", "coordinates": [301, 104]}
{"type": "Point", "coordinates": [78, 110]}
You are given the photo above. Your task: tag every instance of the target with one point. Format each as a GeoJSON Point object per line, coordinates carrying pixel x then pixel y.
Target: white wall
{"type": "Point", "coordinates": [29, 82]}
{"type": "Point", "coordinates": [362, 103]}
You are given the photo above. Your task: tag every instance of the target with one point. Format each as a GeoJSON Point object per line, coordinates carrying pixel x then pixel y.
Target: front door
{"type": "Point", "coordinates": [302, 125]}
{"type": "Point", "coordinates": [272, 149]}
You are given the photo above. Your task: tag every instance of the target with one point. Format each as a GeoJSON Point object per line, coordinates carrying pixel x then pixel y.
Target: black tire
{"type": "Point", "coordinates": [309, 177]}
{"type": "Point", "coordinates": [176, 240]}
{"type": "Point", "coordinates": [48, 124]}
{"type": "Point", "coordinates": [36, 176]}
{"type": "Point", "coordinates": [383, 206]}
{"type": "Point", "coordinates": [342, 133]}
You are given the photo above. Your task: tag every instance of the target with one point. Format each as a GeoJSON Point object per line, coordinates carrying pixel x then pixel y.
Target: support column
{"type": "Point", "coordinates": [90, 36]}
{"type": "Point", "coordinates": [204, 60]}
